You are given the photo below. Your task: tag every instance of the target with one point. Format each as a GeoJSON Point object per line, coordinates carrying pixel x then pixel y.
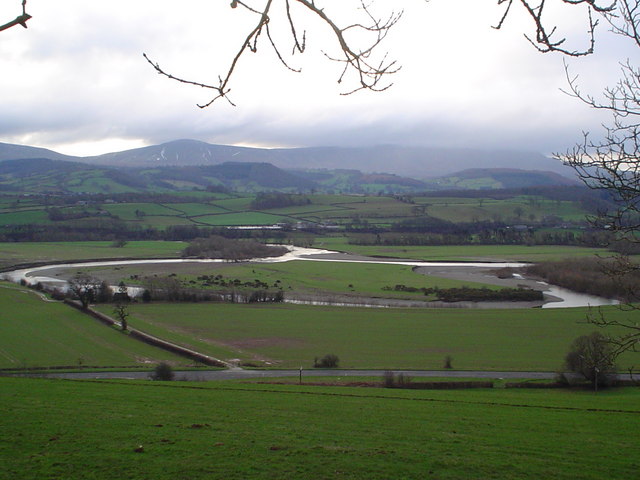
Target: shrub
{"type": "Point", "coordinates": [448, 362]}
{"type": "Point", "coordinates": [388, 379]}
{"type": "Point", "coordinates": [328, 361]}
{"type": "Point", "coordinates": [163, 371]}
{"type": "Point", "coordinates": [593, 357]}
{"type": "Point", "coordinates": [404, 381]}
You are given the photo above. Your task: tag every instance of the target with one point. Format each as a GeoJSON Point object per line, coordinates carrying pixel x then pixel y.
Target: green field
{"type": "Point", "coordinates": [354, 279]}
{"type": "Point", "coordinates": [229, 431]}
{"type": "Point", "coordinates": [219, 210]}
{"type": "Point", "coordinates": [24, 217]}
{"type": "Point", "coordinates": [289, 336]}
{"type": "Point", "coordinates": [240, 218]}
{"type": "Point", "coordinates": [517, 253]}
{"type": "Point", "coordinates": [298, 276]}
{"type": "Point", "coordinates": [127, 211]}
{"type": "Point", "coordinates": [12, 253]}
{"type": "Point", "coordinates": [36, 333]}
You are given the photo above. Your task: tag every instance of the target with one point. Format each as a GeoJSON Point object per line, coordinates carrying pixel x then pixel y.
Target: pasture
{"type": "Point", "coordinates": [358, 279]}
{"type": "Point", "coordinates": [116, 430]}
{"type": "Point", "coordinates": [35, 333]}
{"type": "Point", "coordinates": [290, 336]}
{"type": "Point", "coordinates": [14, 253]}
{"type": "Point", "coordinates": [300, 277]}
{"type": "Point", "coordinates": [461, 253]}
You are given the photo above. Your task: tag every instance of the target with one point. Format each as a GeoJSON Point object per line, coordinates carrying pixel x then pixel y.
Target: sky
{"type": "Point", "coordinates": [76, 82]}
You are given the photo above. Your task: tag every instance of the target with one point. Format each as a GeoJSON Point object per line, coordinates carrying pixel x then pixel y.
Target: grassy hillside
{"type": "Point", "coordinates": [231, 431]}
{"type": "Point", "coordinates": [36, 333]}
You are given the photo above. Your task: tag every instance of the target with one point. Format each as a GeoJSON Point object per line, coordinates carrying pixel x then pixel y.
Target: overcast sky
{"type": "Point", "coordinates": [75, 81]}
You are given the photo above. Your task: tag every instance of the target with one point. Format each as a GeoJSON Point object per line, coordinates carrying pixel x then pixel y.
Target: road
{"type": "Point", "coordinates": [239, 374]}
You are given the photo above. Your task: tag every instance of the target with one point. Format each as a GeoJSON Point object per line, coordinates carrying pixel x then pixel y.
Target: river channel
{"type": "Point", "coordinates": [555, 297]}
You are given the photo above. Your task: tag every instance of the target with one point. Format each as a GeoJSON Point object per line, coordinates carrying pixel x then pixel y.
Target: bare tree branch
{"type": "Point", "coordinates": [370, 72]}
{"type": "Point", "coordinates": [546, 39]}
{"type": "Point", "coordinates": [611, 164]}
{"type": "Point", "coordinates": [19, 20]}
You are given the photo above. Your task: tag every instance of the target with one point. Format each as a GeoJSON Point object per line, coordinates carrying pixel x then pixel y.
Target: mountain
{"type": "Point", "coordinates": [391, 165]}
{"type": "Point", "coordinates": [242, 176]}
{"type": "Point", "coordinates": [414, 162]}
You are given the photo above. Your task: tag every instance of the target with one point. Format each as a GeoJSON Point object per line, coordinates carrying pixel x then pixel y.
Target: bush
{"type": "Point", "coordinates": [593, 357]}
{"type": "Point", "coordinates": [163, 371]}
{"type": "Point", "coordinates": [448, 362]}
{"type": "Point", "coordinates": [404, 381]}
{"type": "Point", "coordinates": [388, 379]}
{"type": "Point", "coordinates": [328, 361]}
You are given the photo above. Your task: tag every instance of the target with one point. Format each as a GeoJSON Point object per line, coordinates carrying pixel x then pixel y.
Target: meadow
{"type": "Point", "coordinates": [302, 278]}
{"type": "Point", "coordinates": [35, 333]}
{"type": "Point", "coordinates": [15, 253]}
{"type": "Point", "coordinates": [115, 430]}
{"type": "Point", "coordinates": [290, 336]}
{"type": "Point", "coordinates": [358, 279]}
{"type": "Point", "coordinates": [461, 253]}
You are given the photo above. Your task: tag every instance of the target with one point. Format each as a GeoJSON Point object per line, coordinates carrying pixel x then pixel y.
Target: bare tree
{"type": "Point", "coordinates": [611, 164]}
{"type": "Point", "coordinates": [121, 310]}
{"type": "Point", "coordinates": [370, 69]}
{"type": "Point", "coordinates": [593, 357]}
{"type": "Point", "coordinates": [121, 307]}
{"type": "Point", "coordinates": [85, 288]}
{"type": "Point", "coordinates": [357, 44]}
{"type": "Point", "coordinates": [19, 20]}
{"type": "Point", "coordinates": [547, 37]}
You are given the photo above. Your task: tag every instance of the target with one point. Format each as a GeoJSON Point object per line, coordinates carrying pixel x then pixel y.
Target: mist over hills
{"type": "Point", "coordinates": [184, 164]}
{"type": "Point", "coordinates": [415, 162]}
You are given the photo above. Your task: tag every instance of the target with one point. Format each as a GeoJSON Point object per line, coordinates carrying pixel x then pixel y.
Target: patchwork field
{"type": "Point", "coordinates": [222, 210]}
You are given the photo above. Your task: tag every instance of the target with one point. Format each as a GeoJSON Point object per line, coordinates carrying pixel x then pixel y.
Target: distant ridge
{"type": "Point", "coordinates": [498, 178]}
{"type": "Point", "coordinates": [10, 151]}
{"type": "Point", "coordinates": [414, 162]}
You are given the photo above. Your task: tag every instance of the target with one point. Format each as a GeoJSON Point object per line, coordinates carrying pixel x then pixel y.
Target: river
{"type": "Point", "coordinates": [555, 297]}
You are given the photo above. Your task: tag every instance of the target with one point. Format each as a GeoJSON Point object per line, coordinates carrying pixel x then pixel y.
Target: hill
{"type": "Point", "coordinates": [42, 175]}
{"type": "Point", "coordinates": [414, 162]}
{"type": "Point", "coordinates": [498, 178]}
{"type": "Point", "coordinates": [189, 164]}
{"type": "Point", "coordinates": [9, 151]}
